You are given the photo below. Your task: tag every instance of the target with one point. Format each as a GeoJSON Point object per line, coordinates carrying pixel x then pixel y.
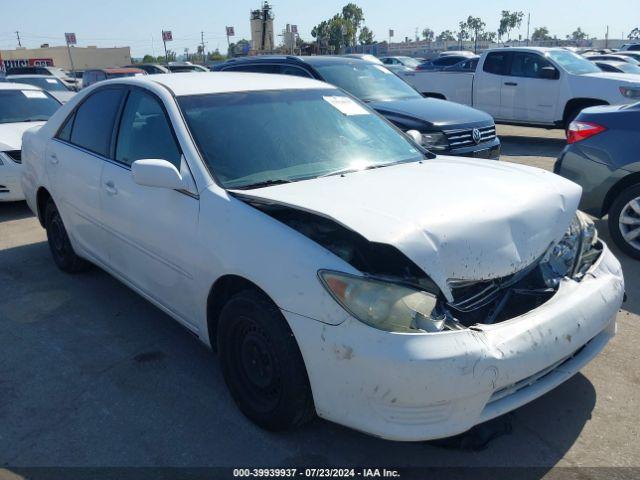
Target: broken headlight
{"type": "Point", "coordinates": [384, 305]}
{"type": "Point", "coordinates": [574, 253]}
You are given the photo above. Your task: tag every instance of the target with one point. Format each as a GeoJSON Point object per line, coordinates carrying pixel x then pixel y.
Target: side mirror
{"type": "Point", "coordinates": [415, 135]}
{"type": "Point", "coordinates": [156, 173]}
{"type": "Point", "coordinates": [549, 73]}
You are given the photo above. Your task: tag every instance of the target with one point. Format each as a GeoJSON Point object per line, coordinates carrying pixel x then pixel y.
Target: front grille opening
{"type": "Point", "coordinates": [493, 301]}
{"type": "Point", "coordinates": [15, 155]}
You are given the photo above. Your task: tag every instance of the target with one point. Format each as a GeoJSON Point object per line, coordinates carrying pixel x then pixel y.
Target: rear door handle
{"type": "Point", "coordinates": [53, 158]}
{"type": "Point", "coordinates": [110, 187]}
{"type": "Point", "coordinates": [511, 84]}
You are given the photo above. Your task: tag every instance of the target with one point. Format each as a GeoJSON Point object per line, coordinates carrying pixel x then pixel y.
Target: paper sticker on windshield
{"type": "Point", "coordinates": [382, 69]}
{"type": "Point", "coordinates": [33, 94]}
{"type": "Point", "coordinates": [346, 106]}
{"type": "Point", "coordinates": [50, 80]}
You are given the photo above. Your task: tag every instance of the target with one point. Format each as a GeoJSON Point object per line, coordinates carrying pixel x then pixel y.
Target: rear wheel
{"type": "Point", "coordinates": [261, 363]}
{"type": "Point", "coordinates": [624, 221]}
{"type": "Point", "coordinates": [59, 244]}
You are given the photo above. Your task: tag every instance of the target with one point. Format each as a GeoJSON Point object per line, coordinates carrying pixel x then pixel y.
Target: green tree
{"type": "Point", "coordinates": [366, 36]}
{"type": "Point", "coordinates": [428, 34]}
{"type": "Point", "coordinates": [578, 35]}
{"type": "Point", "coordinates": [487, 37]}
{"type": "Point", "coordinates": [540, 34]}
{"type": "Point", "coordinates": [509, 21]}
{"type": "Point", "coordinates": [475, 26]}
{"type": "Point", "coordinates": [463, 32]}
{"type": "Point", "coordinates": [446, 36]}
{"type": "Point", "coordinates": [352, 17]}
{"type": "Point", "coordinates": [148, 59]}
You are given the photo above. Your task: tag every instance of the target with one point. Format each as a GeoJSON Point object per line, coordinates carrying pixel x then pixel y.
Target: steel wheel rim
{"type": "Point", "coordinates": [629, 223]}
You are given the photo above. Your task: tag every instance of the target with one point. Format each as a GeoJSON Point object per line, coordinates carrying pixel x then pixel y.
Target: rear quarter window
{"type": "Point", "coordinates": [496, 63]}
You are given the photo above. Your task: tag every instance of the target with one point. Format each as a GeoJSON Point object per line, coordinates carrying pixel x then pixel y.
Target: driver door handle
{"type": "Point", "coordinates": [53, 158]}
{"type": "Point", "coordinates": [110, 187]}
{"type": "Point", "coordinates": [511, 84]}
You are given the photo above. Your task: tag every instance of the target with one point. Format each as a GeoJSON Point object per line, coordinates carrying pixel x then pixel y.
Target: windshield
{"type": "Point", "coordinates": [26, 106]}
{"type": "Point", "coordinates": [253, 139]}
{"type": "Point", "coordinates": [367, 81]}
{"type": "Point", "coordinates": [573, 63]}
{"type": "Point", "coordinates": [50, 84]}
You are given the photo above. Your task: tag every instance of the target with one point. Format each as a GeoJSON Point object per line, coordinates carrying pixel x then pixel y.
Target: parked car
{"type": "Point", "coordinates": [529, 86]}
{"type": "Point", "coordinates": [49, 83]}
{"type": "Point", "coordinates": [613, 58]}
{"type": "Point", "coordinates": [446, 127]}
{"type": "Point", "coordinates": [634, 54]}
{"type": "Point", "coordinates": [99, 74]}
{"type": "Point", "coordinates": [364, 56]}
{"type": "Point", "coordinates": [408, 62]}
{"type": "Point", "coordinates": [617, 67]}
{"type": "Point", "coordinates": [150, 68]}
{"type": "Point", "coordinates": [63, 75]}
{"type": "Point", "coordinates": [441, 63]}
{"type": "Point", "coordinates": [468, 65]}
{"type": "Point", "coordinates": [338, 267]}
{"type": "Point", "coordinates": [186, 67]}
{"type": "Point", "coordinates": [631, 47]}
{"type": "Point", "coordinates": [22, 107]}
{"type": "Point", "coordinates": [602, 157]}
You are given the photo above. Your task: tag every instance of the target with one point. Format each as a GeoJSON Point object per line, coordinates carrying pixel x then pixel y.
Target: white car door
{"type": "Point", "coordinates": [530, 90]}
{"type": "Point", "coordinates": [487, 88]}
{"type": "Point", "coordinates": [152, 231]}
{"type": "Point", "coordinates": [74, 161]}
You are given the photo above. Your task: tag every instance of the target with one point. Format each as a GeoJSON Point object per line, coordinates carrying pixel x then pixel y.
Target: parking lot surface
{"type": "Point", "coordinates": [93, 375]}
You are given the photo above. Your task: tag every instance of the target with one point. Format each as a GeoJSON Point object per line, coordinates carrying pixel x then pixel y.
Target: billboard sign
{"type": "Point", "coordinates": [231, 32]}
{"type": "Point", "coordinates": [167, 36]}
{"type": "Point", "coordinates": [26, 62]}
{"type": "Point", "coordinates": [70, 38]}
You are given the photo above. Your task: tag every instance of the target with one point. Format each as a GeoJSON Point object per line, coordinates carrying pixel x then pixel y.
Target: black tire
{"type": "Point", "coordinates": [617, 207]}
{"type": "Point", "coordinates": [261, 363]}
{"type": "Point", "coordinates": [59, 244]}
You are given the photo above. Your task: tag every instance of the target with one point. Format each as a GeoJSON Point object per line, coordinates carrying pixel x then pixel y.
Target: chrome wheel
{"type": "Point", "coordinates": [629, 223]}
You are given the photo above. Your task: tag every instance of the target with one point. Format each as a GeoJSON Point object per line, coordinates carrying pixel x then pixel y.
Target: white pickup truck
{"type": "Point", "coordinates": [529, 86]}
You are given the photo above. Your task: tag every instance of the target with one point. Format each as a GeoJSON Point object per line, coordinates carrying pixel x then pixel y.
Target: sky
{"type": "Point", "coordinates": [138, 23]}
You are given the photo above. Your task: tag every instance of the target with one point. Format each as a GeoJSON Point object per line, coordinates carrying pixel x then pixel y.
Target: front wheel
{"type": "Point", "coordinates": [624, 221]}
{"type": "Point", "coordinates": [261, 363]}
{"type": "Point", "coordinates": [59, 244]}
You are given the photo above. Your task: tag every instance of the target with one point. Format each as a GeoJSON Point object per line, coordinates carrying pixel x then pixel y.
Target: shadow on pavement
{"type": "Point", "coordinates": [93, 375]}
{"type": "Point", "coordinates": [518, 145]}
{"type": "Point", "coordinates": [14, 211]}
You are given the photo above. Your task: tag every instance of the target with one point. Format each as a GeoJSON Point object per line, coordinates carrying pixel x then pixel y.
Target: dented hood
{"type": "Point", "coordinates": [455, 218]}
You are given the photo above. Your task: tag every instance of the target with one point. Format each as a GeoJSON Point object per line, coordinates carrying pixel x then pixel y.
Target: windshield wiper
{"type": "Point", "coordinates": [265, 183]}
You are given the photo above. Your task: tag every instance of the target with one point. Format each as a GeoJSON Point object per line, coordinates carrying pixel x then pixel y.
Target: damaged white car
{"type": "Point", "coordinates": [336, 266]}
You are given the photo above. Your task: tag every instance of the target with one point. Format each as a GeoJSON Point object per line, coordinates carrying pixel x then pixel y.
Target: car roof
{"type": "Point", "coordinates": [32, 75]}
{"type": "Point", "coordinates": [528, 49]}
{"type": "Point", "coordinates": [199, 83]}
{"type": "Point", "coordinates": [17, 86]}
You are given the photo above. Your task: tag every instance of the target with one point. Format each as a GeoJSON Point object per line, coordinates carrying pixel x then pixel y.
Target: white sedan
{"type": "Point", "coordinates": [48, 83]}
{"type": "Point", "coordinates": [336, 266]}
{"type": "Point", "coordinates": [21, 107]}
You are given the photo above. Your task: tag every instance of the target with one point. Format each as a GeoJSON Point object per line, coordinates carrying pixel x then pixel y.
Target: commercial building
{"type": "Point", "coordinates": [83, 57]}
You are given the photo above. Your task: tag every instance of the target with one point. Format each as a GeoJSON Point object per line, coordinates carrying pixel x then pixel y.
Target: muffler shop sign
{"type": "Point", "coordinates": [26, 62]}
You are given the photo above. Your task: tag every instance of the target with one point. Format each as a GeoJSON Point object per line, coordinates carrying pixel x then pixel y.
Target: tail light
{"type": "Point", "coordinates": [579, 131]}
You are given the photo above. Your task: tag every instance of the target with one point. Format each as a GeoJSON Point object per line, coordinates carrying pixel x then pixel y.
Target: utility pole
{"type": "Point", "coordinates": [528, 23]}
{"type": "Point", "coordinates": [204, 55]}
{"type": "Point", "coordinates": [606, 38]}
{"type": "Point", "coordinates": [18, 36]}
{"type": "Point", "coordinates": [164, 41]}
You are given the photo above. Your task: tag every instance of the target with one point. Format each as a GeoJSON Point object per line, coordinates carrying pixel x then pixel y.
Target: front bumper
{"type": "Point", "coordinates": [10, 185]}
{"type": "Point", "coordinates": [423, 386]}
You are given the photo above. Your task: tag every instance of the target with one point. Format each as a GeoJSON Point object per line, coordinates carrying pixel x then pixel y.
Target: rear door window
{"type": "Point", "coordinates": [293, 70]}
{"type": "Point", "coordinates": [94, 121]}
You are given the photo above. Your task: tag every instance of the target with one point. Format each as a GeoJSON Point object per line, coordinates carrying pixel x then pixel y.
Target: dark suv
{"type": "Point", "coordinates": [447, 128]}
